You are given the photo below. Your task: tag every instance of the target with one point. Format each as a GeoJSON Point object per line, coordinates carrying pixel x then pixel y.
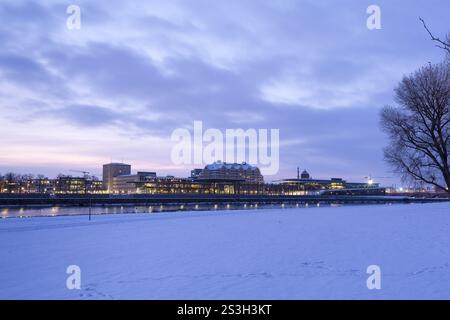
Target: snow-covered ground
{"type": "Point", "coordinates": [305, 253]}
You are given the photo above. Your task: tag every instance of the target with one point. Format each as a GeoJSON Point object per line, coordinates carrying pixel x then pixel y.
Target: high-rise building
{"type": "Point", "coordinates": [112, 170]}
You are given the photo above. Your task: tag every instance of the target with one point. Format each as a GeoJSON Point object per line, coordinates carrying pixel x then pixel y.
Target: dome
{"type": "Point", "coordinates": [305, 175]}
{"type": "Point", "coordinates": [219, 165]}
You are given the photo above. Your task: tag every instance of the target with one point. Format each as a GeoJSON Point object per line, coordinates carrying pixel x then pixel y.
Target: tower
{"type": "Point", "coordinates": [112, 170]}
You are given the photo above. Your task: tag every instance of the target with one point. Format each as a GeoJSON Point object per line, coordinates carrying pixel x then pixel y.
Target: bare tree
{"type": "Point", "coordinates": [445, 45]}
{"type": "Point", "coordinates": [2, 183]}
{"type": "Point", "coordinates": [419, 127]}
{"type": "Point", "coordinates": [11, 180]}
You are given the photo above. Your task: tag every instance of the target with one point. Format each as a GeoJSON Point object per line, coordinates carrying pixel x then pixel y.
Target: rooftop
{"type": "Point", "coordinates": [218, 165]}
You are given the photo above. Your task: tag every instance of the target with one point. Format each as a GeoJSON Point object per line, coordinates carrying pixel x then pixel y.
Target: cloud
{"type": "Point", "coordinates": [134, 73]}
{"type": "Point", "coordinates": [329, 87]}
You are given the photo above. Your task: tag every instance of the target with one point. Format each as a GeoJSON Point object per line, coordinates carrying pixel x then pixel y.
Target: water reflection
{"type": "Point", "coordinates": [48, 211]}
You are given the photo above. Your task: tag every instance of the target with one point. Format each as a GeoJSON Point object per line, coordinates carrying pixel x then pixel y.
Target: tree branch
{"type": "Point", "coordinates": [442, 44]}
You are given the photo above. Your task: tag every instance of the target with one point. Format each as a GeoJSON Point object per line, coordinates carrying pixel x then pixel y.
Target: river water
{"type": "Point", "coordinates": [49, 211]}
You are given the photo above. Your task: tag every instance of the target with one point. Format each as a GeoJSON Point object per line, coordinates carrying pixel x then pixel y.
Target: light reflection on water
{"type": "Point", "coordinates": [121, 209]}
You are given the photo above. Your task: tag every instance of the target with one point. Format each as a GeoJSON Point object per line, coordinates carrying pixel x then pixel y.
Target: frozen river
{"type": "Point", "coordinates": [304, 253]}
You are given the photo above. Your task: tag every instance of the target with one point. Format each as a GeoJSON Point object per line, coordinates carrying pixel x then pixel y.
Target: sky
{"type": "Point", "coordinates": [116, 89]}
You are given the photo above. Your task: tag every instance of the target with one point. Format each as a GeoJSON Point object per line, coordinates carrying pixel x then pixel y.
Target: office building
{"type": "Point", "coordinates": [129, 183]}
{"type": "Point", "coordinates": [112, 170]}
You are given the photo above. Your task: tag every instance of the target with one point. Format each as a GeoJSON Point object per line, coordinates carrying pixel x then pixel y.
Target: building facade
{"type": "Point", "coordinates": [130, 183]}
{"type": "Point", "coordinates": [112, 170]}
{"type": "Point", "coordinates": [77, 185]}
{"type": "Point", "coordinates": [306, 183]}
{"type": "Point", "coordinates": [222, 171]}
{"type": "Point", "coordinates": [215, 179]}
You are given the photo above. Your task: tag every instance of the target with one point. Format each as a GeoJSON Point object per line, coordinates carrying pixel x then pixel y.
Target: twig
{"type": "Point", "coordinates": [444, 45]}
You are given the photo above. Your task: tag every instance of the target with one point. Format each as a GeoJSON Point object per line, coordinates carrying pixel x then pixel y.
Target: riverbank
{"type": "Point", "coordinates": [25, 200]}
{"type": "Point", "coordinates": [96, 210]}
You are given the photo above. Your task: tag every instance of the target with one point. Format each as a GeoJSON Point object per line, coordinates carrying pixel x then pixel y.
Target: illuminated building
{"type": "Point", "coordinates": [215, 179]}
{"type": "Point", "coordinates": [307, 183]}
{"type": "Point", "coordinates": [222, 171]}
{"type": "Point", "coordinates": [112, 170]}
{"type": "Point", "coordinates": [130, 183]}
{"type": "Point", "coordinates": [70, 185]}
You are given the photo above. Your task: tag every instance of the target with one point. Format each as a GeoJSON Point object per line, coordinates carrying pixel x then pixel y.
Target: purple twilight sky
{"type": "Point", "coordinates": [137, 70]}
